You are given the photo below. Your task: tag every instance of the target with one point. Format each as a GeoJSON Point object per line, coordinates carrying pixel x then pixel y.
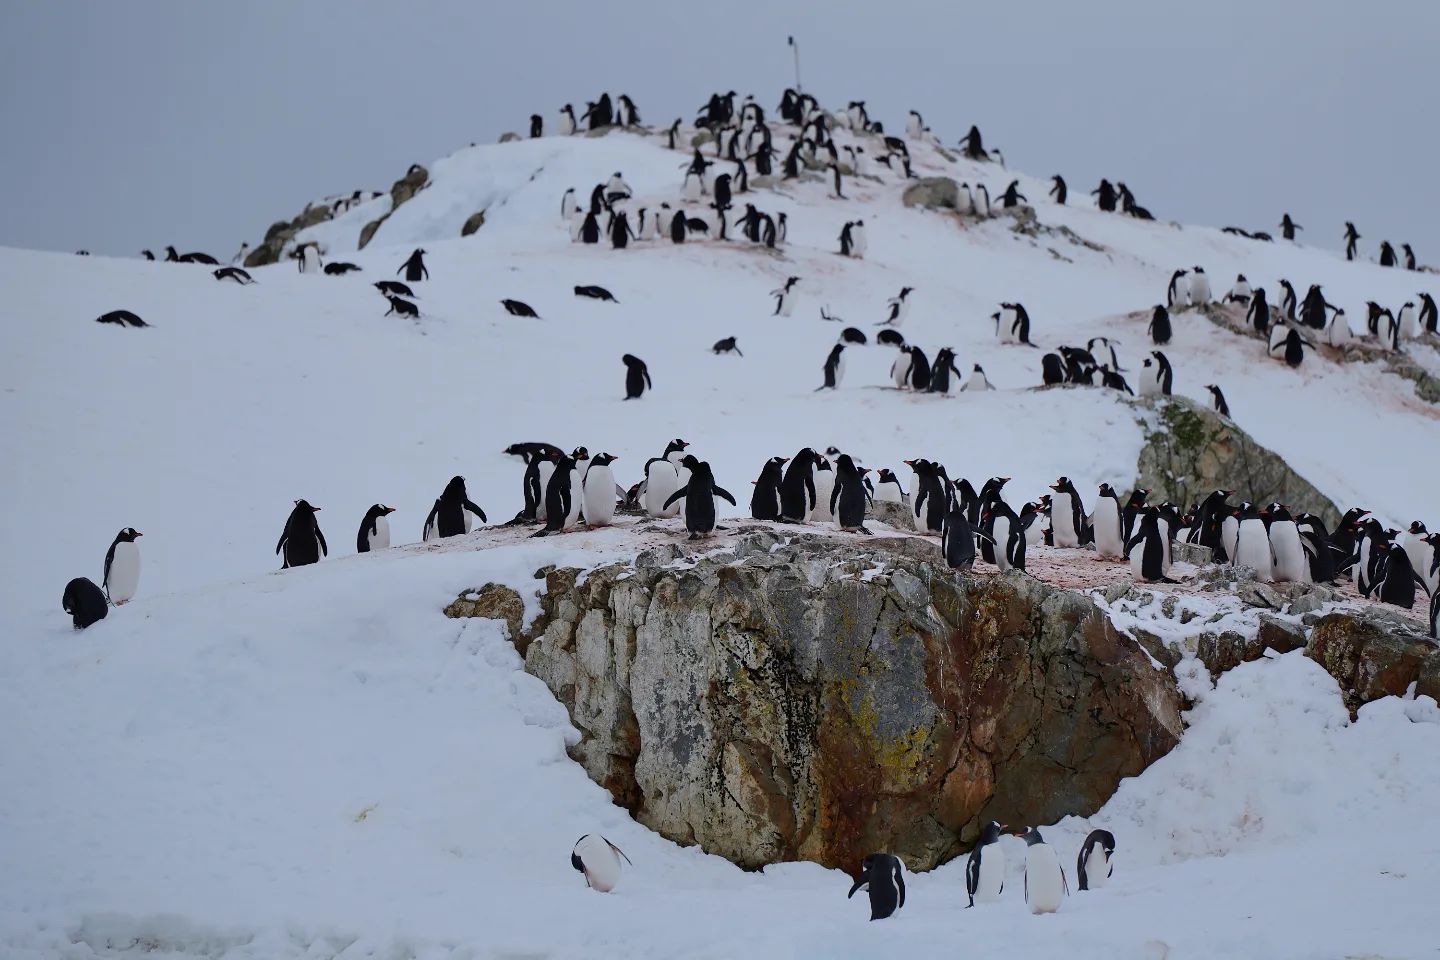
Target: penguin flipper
{"type": "Point", "coordinates": [725, 495]}
{"type": "Point", "coordinates": [683, 491]}
{"type": "Point", "coordinates": [858, 884]}
{"type": "Point", "coordinates": [320, 538]}
{"type": "Point", "coordinates": [480, 513]}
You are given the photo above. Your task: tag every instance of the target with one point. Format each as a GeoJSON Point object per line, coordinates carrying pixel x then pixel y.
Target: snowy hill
{"type": "Point", "coordinates": [245, 763]}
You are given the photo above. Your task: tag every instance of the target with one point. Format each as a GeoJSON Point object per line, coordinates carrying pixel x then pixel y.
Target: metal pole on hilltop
{"type": "Point", "coordinates": [796, 48]}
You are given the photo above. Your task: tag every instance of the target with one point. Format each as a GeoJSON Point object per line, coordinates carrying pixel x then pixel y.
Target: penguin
{"type": "Point", "coordinates": [1012, 324]}
{"type": "Point", "coordinates": [1058, 190]}
{"type": "Point", "coordinates": [797, 487]}
{"type": "Point", "coordinates": [1199, 287]}
{"type": "Point", "coordinates": [784, 302]}
{"type": "Point", "coordinates": [834, 368]}
{"type": "Point", "coordinates": [537, 126]}
{"type": "Point", "coordinates": [518, 308]}
{"type": "Point", "coordinates": [1418, 548]}
{"type": "Point", "coordinates": [1218, 399]}
{"type": "Point", "coordinates": [1108, 346]}
{"type": "Point", "coordinates": [1095, 864]}
{"type": "Point", "coordinates": [1134, 507]}
{"type": "Point", "coordinates": [898, 307]}
{"type": "Point", "coordinates": [900, 369]}
{"type": "Point", "coordinates": [858, 243]}
{"type": "Point", "coordinates": [1241, 292]}
{"type": "Point", "coordinates": [1313, 310]}
{"type": "Point", "coordinates": [1209, 517]}
{"type": "Point", "coordinates": [1045, 883]}
{"type": "Point", "coordinates": [1012, 196]}
{"type": "Point", "coordinates": [1164, 375]}
{"type": "Point", "coordinates": [1252, 545]}
{"type": "Point", "coordinates": [1159, 328]}
{"type": "Point", "coordinates": [1150, 378]}
{"type": "Point", "coordinates": [1398, 579]}
{"type": "Point", "coordinates": [884, 877]}
{"type": "Point", "coordinates": [824, 486]}
{"type": "Point", "coordinates": [957, 543]}
{"type": "Point", "coordinates": [448, 515]}
{"type": "Point", "coordinates": [765, 499]}
{"type": "Point", "coordinates": [973, 146]}
{"type": "Point", "coordinates": [1435, 615]}
{"type": "Point", "coordinates": [237, 274]}
{"type": "Point", "coordinates": [402, 308]}
{"type": "Point", "coordinates": [339, 268]}
{"type": "Point", "coordinates": [84, 602]}
{"type": "Point", "coordinates": [626, 115]}
{"type": "Point", "coordinates": [1407, 322]}
{"type": "Point", "coordinates": [598, 491]}
{"type": "Point", "coordinates": [620, 232]}
{"type": "Point", "coordinates": [238, 260]}
{"type": "Point", "coordinates": [1067, 513]}
{"type": "Point", "coordinates": [568, 125]}
{"type": "Point", "coordinates": [1150, 562]}
{"type": "Point", "coordinates": [563, 497]}
{"type": "Point", "coordinates": [1409, 257]}
{"type": "Point", "coordinates": [1230, 531]}
{"type": "Point", "coordinates": [1429, 318]}
{"type": "Point", "coordinates": [727, 345]}
{"type": "Point", "coordinates": [887, 488]}
{"type": "Point", "coordinates": [1320, 550]}
{"type": "Point", "coordinates": [941, 370]}
{"type": "Point", "coordinates": [1052, 370]}
{"type": "Point", "coordinates": [1287, 230]}
{"type": "Point", "coordinates": [637, 376]}
{"type": "Point", "coordinates": [1109, 532]}
{"type": "Point", "coordinates": [662, 478]}
{"type": "Point", "coordinates": [1387, 254]}
{"type": "Point", "coordinates": [931, 496]}
{"type": "Point", "coordinates": [394, 288]}
{"type": "Point", "coordinates": [414, 267]}
{"type": "Point", "coordinates": [985, 870]}
{"type": "Point", "coordinates": [1257, 316]}
{"type": "Point", "coordinates": [1177, 295]}
{"type": "Point", "coordinates": [1368, 559]}
{"type": "Point", "coordinates": [301, 539]}
{"type": "Point", "coordinates": [1104, 196]}
{"type": "Point", "coordinates": [1291, 564]}
{"type": "Point", "coordinates": [599, 861]}
{"type": "Point", "coordinates": [982, 201]}
{"type": "Point", "coordinates": [592, 292]}
{"type": "Point", "coordinates": [1294, 345]}
{"type": "Point", "coordinates": [836, 182]}
{"type": "Point", "coordinates": [122, 567]}
{"type": "Point", "coordinates": [848, 495]}
{"type": "Point", "coordinates": [374, 529]}
{"type": "Point", "coordinates": [914, 125]}
{"type": "Point", "coordinates": [307, 258]}
{"type": "Point", "coordinates": [122, 318]}
{"type": "Point", "coordinates": [699, 493]}
{"type": "Point", "coordinates": [977, 382]}
{"type": "Point", "coordinates": [1009, 533]}
{"type": "Point", "coordinates": [1351, 236]}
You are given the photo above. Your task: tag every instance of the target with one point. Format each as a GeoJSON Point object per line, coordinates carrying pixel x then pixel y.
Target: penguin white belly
{"type": "Point", "coordinates": [824, 484]}
{"type": "Point", "coordinates": [1229, 536]}
{"type": "Point", "coordinates": [1252, 549]}
{"type": "Point", "coordinates": [1137, 560]}
{"type": "Point", "coordinates": [786, 305]}
{"type": "Point", "coordinates": [1002, 541]}
{"type": "Point", "coordinates": [857, 237]}
{"type": "Point", "coordinates": [1163, 526]}
{"type": "Point", "coordinates": [1290, 563]}
{"type": "Point", "coordinates": [1034, 534]}
{"type": "Point", "coordinates": [599, 497]}
{"type": "Point", "coordinates": [887, 493]}
{"type": "Point", "coordinates": [1149, 382]}
{"type": "Point", "coordinates": [1097, 868]}
{"type": "Point", "coordinates": [1337, 332]}
{"type": "Point", "coordinates": [1062, 521]}
{"type": "Point", "coordinates": [900, 372]}
{"type": "Point", "coordinates": [124, 577]}
{"type": "Point", "coordinates": [682, 477]}
{"type": "Point", "coordinates": [380, 536]}
{"type": "Point", "coordinates": [661, 480]}
{"type": "Point", "coordinates": [577, 500]}
{"type": "Point", "coordinates": [1107, 529]}
{"type": "Point", "coordinates": [1419, 553]}
{"type": "Point", "coordinates": [1199, 289]}
{"type": "Point", "coordinates": [544, 472]}
{"type": "Point", "coordinates": [1182, 295]}
{"type": "Point", "coordinates": [1044, 883]}
{"type": "Point", "coordinates": [992, 875]}
{"type": "Point", "coordinates": [692, 189]}
{"type": "Point", "coordinates": [602, 863]}
{"type": "Point", "coordinates": [1007, 326]}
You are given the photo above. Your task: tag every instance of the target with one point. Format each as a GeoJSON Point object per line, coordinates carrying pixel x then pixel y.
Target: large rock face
{"type": "Point", "coordinates": [821, 699]}
{"type": "Point", "coordinates": [1190, 451]}
{"type": "Point", "coordinates": [417, 178]}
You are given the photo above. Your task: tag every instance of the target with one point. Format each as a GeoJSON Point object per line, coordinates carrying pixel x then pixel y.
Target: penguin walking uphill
{"type": "Point", "coordinates": [599, 860]}
{"type": "Point", "coordinates": [699, 493]}
{"type": "Point", "coordinates": [797, 487]}
{"type": "Point", "coordinates": [414, 267]}
{"type": "Point", "coordinates": [374, 529]}
{"type": "Point", "coordinates": [883, 877]}
{"type": "Point", "coordinates": [122, 567]}
{"type": "Point", "coordinates": [1095, 863]}
{"type": "Point", "coordinates": [637, 377]}
{"type": "Point", "coordinates": [1045, 885]}
{"type": "Point", "coordinates": [302, 541]}
{"type": "Point", "coordinates": [985, 870]}
{"type": "Point", "coordinates": [448, 516]}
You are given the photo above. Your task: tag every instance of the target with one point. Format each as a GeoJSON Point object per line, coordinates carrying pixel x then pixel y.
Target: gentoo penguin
{"type": "Point", "coordinates": [1287, 230]}
{"type": "Point", "coordinates": [900, 369]}
{"type": "Point", "coordinates": [374, 529]}
{"type": "Point", "coordinates": [1177, 295]}
{"type": "Point", "coordinates": [1009, 533]}
{"type": "Point", "coordinates": [448, 515]}
{"type": "Point", "coordinates": [1151, 378]}
{"type": "Point", "coordinates": [726, 345]}
{"type": "Point", "coordinates": [1257, 316]}
{"type": "Point", "coordinates": [1104, 196]}
{"type": "Point", "coordinates": [122, 318]}
{"type": "Point", "coordinates": [1052, 369]}
{"type": "Point", "coordinates": [824, 486]}
{"type": "Point", "coordinates": [1045, 884]}
{"type": "Point", "coordinates": [239, 258]}
{"type": "Point", "coordinates": [898, 307]}
{"type": "Point", "coordinates": [620, 232]}
{"type": "Point", "coordinates": [765, 500]}
{"type": "Point", "coordinates": [942, 370]}
{"type": "Point", "coordinates": [1114, 381]}
{"type": "Point", "coordinates": [1294, 346]}
{"type": "Point", "coordinates": [1132, 510]}
{"type": "Point", "coordinates": [1286, 302]}
{"type": "Point", "coordinates": [1252, 545]}
{"type": "Point", "coordinates": [1208, 519]}
{"type": "Point", "coordinates": [237, 274]}
{"type": "Point", "coordinates": [858, 242]}
{"type": "Point", "coordinates": [84, 602]}
{"type": "Point", "coordinates": [1150, 562]}
{"type": "Point", "coordinates": [1199, 287]}
{"type": "Point", "coordinates": [537, 126]}
{"type": "Point", "coordinates": [402, 308]}
{"type": "Point", "coordinates": [1387, 254]}
{"type": "Point", "coordinates": [930, 500]}
{"type": "Point", "coordinates": [1058, 190]}
{"type": "Point", "coordinates": [301, 539]}
{"type": "Point", "coordinates": [1095, 863]}
{"type": "Point", "coordinates": [1368, 558]}
{"type": "Point", "coordinates": [1109, 534]}
{"type": "Point", "coordinates": [394, 288]}
{"type": "Point", "coordinates": [568, 124]}
{"type": "Point", "coordinates": [1398, 579]}
{"type": "Point", "coordinates": [598, 491]}
{"type": "Point", "coordinates": [1230, 531]}
{"type": "Point", "coordinates": [836, 182]}
{"type": "Point", "coordinates": [1291, 565]}
{"type": "Point", "coordinates": [957, 543]}
{"type": "Point", "coordinates": [884, 877]}
{"type": "Point", "coordinates": [662, 478]}
{"type": "Point", "coordinates": [699, 493]}
{"type": "Point", "coordinates": [1407, 321]}
{"type": "Point", "coordinates": [122, 566]}
{"type": "Point", "coordinates": [1221, 407]}
{"type": "Point", "coordinates": [1106, 346]}
{"type": "Point", "coordinates": [848, 495]}
{"type": "Point", "coordinates": [592, 292]}
{"type": "Point", "coordinates": [784, 302]}
{"type": "Point", "coordinates": [637, 376]}
{"type": "Point", "coordinates": [1409, 257]}
{"type": "Point", "coordinates": [599, 860]}
{"type": "Point", "coordinates": [1159, 328]}
{"type": "Point", "coordinates": [1012, 196]}
{"type": "Point", "coordinates": [1319, 548]}
{"type": "Point", "coordinates": [1429, 318]}
{"type": "Point", "coordinates": [888, 489]}
{"type": "Point", "coordinates": [563, 496]}
{"type": "Point", "coordinates": [1241, 292]}
{"type": "Point", "coordinates": [519, 308]}
{"type": "Point", "coordinates": [1067, 513]}
{"type": "Point", "coordinates": [307, 258]}
{"type": "Point", "coordinates": [1351, 235]}
{"type": "Point", "coordinates": [914, 126]}
{"type": "Point", "coordinates": [1417, 545]}
{"type": "Point", "coordinates": [977, 382]}
{"type": "Point", "coordinates": [834, 367]}
{"type": "Point", "coordinates": [982, 201]}
{"type": "Point", "coordinates": [797, 487]}
{"type": "Point", "coordinates": [1164, 375]}
{"type": "Point", "coordinates": [985, 870]}
{"type": "Point", "coordinates": [414, 267]}
{"type": "Point", "coordinates": [1012, 324]}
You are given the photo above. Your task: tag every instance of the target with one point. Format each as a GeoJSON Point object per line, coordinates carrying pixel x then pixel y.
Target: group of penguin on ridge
{"type": "Point", "coordinates": [882, 875]}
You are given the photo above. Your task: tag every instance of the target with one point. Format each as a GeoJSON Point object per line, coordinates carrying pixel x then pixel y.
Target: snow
{"type": "Point", "coordinates": [313, 763]}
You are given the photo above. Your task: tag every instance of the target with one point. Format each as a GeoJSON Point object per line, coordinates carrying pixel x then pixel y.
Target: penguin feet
{"type": "Point", "coordinates": [694, 536]}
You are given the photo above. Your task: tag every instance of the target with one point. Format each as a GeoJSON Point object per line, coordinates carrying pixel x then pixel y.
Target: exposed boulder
{"type": "Point", "coordinates": [1190, 451]}
{"type": "Point", "coordinates": [282, 232]}
{"type": "Point", "coordinates": [473, 223]}
{"type": "Point", "coordinates": [932, 192]}
{"type": "Point", "coordinates": [820, 698]}
{"type": "Point", "coordinates": [417, 178]}
{"type": "Point", "coordinates": [1373, 655]}
{"type": "Point", "coordinates": [509, 137]}
{"type": "Point", "coordinates": [491, 601]}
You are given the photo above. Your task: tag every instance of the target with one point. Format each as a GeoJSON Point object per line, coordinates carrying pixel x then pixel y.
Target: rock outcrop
{"type": "Point", "coordinates": [417, 178]}
{"type": "Point", "coordinates": [282, 232]}
{"type": "Point", "coordinates": [932, 192]}
{"type": "Point", "coordinates": [1190, 451]}
{"type": "Point", "coordinates": [1374, 656]}
{"type": "Point", "coordinates": [820, 698]}
{"type": "Point", "coordinates": [474, 222]}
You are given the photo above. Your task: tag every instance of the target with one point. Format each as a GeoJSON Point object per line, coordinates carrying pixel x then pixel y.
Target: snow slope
{"type": "Point", "coordinates": [190, 775]}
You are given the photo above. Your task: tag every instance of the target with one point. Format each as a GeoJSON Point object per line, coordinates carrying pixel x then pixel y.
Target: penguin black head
{"type": "Point", "coordinates": [1031, 836]}
{"type": "Point", "coordinates": [979, 369]}
{"type": "Point", "coordinates": [675, 446]}
{"type": "Point", "coordinates": [305, 505]}
{"type": "Point", "coordinates": [690, 461]}
{"type": "Point", "coordinates": [381, 510]}
{"type": "Point", "coordinates": [1416, 527]}
{"type": "Point", "coordinates": [603, 459]}
{"type": "Point", "coordinates": [1106, 490]}
{"type": "Point", "coordinates": [129, 534]}
{"type": "Point", "coordinates": [580, 453]}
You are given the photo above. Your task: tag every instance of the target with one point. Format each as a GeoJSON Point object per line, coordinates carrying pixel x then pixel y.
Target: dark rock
{"type": "Point", "coordinates": [475, 222]}
{"type": "Point", "coordinates": [1371, 657]}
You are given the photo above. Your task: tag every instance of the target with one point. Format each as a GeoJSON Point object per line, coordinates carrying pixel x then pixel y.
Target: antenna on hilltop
{"type": "Point", "coordinates": [796, 48]}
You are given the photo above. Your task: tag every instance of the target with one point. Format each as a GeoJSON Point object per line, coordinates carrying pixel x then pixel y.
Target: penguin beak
{"type": "Point", "coordinates": [139, 534]}
{"type": "Point", "coordinates": [315, 509]}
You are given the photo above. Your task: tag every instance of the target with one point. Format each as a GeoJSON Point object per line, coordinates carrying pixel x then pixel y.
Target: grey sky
{"type": "Point", "coordinates": [137, 124]}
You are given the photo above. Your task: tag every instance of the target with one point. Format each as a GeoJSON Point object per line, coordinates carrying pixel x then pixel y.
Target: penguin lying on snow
{"type": "Point", "coordinates": [883, 877]}
{"type": "Point", "coordinates": [599, 861]}
{"type": "Point", "coordinates": [595, 293]}
{"type": "Point", "coordinates": [403, 308]}
{"type": "Point", "coordinates": [726, 346]}
{"type": "Point", "coordinates": [339, 269]}
{"type": "Point", "coordinates": [394, 288]}
{"type": "Point", "coordinates": [234, 273]}
{"type": "Point", "coordinates": [122, 318]}
{"type": "Point", "coordinates": [518, 308]}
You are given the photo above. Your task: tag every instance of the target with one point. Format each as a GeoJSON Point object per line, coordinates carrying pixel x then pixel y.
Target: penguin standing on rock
{"type": "Point", "coordinates": [1399, 578]}
{"type": "Point", "coordinates": [957, 542]}
{"type": "Point", "coordinates": [1109, 533]}
{"type": "Point", "coordinates": [414, 267]}
{"type": "Point", "coordinates": [1221, 407]}
{"type": "Point", "coordinates": [637, 377]}
{"type": "Point", "coordinates": [1045, 884]}
{"type": "Point", "coordinates": [888, 489]}
{"type": "Point", "coordinates": [797, 488]}
{"type": "Point", "coordinates": [1151, 562]}
{"type": "Point", "coordinates": [302, 541]}
{"type": "Point", "coordinates": [598, 491]}
{"type": "Point", "coordinates": [765, 499]}
{"type": "Point", "coordinates": [599, 860]}
{"type": "Point", "coordinates": [563, 497]}
{"type": "Point", "coordinates": [84, 602]}
{"type": "Point", "coordinates": [374, 529]}
{"type": "Point", "coordinates": [699, 493]}
{"type": "Point", "coordinates": [448, 516]}
{"type": "Point", "coordinates": [985, 870]}
{"type": "Point", "coordinates": [1094, 866]}
{"type": "Point", "coordinates": [847, 499]}
{"type": "Point", "coordinates": [122, 566]}
{"type": "Point", "coordinates": [1067, 513]}
{"type": "Point", "coordinates": [883, 877]}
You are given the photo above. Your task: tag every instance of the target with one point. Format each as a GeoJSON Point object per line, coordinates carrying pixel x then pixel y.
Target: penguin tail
{"type": "Point", "coordinates": [538, 533]}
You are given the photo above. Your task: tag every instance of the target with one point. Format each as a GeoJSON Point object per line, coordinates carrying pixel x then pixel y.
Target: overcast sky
{"type": "Point", "coordinates": [142, 123]}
